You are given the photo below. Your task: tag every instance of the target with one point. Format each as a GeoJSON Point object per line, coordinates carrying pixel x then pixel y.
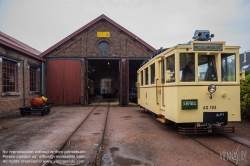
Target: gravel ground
{"type": "Point", "coordinates": [132, 137]}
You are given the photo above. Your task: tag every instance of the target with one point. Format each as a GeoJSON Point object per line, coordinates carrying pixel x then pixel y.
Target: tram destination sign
{"type": "Point", "coordinates": [207, 47]}
{"type": "Point", "coordinates": [189, 104]}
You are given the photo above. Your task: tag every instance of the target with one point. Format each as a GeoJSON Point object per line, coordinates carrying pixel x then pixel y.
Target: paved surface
{"type": "Point", "coordinates": [132, 137]}
{"type": "Point", "coordinates": [135, 138]}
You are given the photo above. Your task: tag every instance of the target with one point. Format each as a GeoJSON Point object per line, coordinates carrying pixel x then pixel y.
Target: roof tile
{"type": "Point", "coordinates": [19, 46]}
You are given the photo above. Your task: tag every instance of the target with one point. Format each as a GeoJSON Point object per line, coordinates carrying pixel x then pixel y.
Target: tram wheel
{"type": "Point", "coordinates": [154, 115]}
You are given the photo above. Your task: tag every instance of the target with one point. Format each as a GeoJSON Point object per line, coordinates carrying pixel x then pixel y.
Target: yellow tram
{"type": "Point", "coordinates": [194, 85]}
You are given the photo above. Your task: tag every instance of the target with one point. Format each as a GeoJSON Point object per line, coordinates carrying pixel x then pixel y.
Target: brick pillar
{"type": "Point", "coordinates": [124, 80]}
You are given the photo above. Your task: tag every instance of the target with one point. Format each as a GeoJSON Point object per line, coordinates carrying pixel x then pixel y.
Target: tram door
{"type": "Point", "coordinates": [162, 72]}
{"type": "Point", "coordinates": [158, 85]}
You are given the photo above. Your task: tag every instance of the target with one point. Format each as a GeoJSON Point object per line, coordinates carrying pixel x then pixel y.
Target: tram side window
{"type": "Point", "coordinates": [146, 76]}
{"type": "Point", "coordinates": [228, 67]}
{"type": "Point", "coordinates": [162, 72]}
{"type": "Point", "coordinates": [207, 68]}
{"type": "Point", "coordinates": [141, 77]}
{"type": "Point", "coordinates": [187, 70]}
{"type": "Point", "coordinates": [170, 65]}
{"type": "Point", "coordinates": [152, 71]}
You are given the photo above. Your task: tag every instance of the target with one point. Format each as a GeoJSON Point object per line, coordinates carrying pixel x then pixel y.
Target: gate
{"type": "Point", "coordinates": [63, 81]}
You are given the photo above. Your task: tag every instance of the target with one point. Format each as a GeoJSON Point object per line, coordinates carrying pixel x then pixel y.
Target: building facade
{"type": "Point", "coordinates": [69, 61]}
{"type": "Point", "coordinates": [20, 74]}
{"type": "Point", "coordinates": [100, 49]}
{"type": "Point", "coordinates": [245, 61]}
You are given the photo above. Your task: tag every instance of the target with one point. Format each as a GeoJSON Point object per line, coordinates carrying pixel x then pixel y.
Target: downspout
{"type": "Point", "coordinates": [23, 85]}
{"type": "Point", "coordinates": [42, 79]}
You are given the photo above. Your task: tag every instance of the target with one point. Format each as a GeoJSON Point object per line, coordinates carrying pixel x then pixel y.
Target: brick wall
{"type": "Point", "coordinates": [11, 102]}
{"type": "Point", "coordinates": [85, 45]}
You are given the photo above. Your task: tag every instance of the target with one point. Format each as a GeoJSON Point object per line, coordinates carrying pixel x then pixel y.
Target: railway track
{"type": "Point", "coordinates": [78, 156]}
{"type": "Point", "coordinates": [229, 150]}
{"type": "Point", "coordinates": [99, 154]}
{"type": "Point", "coordinates": [232, 139]}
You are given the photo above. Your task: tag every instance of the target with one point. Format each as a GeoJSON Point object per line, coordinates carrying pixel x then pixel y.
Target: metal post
{"type": "Point", "coordinates": [42, 79]}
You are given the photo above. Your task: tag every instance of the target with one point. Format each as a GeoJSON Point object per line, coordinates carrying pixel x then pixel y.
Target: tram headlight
{"type": "Point", "coordinates": [211, 88]}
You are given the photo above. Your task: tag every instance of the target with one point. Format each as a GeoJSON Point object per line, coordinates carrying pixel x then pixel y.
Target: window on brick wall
{"type": "Point", "coordinates": [9, 76]}
{"type": "Point", "coordinates": [33, 79]}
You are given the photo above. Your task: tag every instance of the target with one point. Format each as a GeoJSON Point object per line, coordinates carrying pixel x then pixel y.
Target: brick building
{"type": "Point", "coordinates": [100, 49]}
{"type": "Point", "coordinates": [20, 74]}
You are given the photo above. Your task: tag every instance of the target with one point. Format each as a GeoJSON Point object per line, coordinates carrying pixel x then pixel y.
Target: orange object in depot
{"type": "Point", "coordinates": [38, 101]}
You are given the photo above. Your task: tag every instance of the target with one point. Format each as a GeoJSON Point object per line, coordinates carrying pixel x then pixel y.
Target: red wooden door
{"type": "Point", "coordinates": [63, 81]}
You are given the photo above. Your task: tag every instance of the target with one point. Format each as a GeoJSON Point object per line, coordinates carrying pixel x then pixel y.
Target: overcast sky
{"type": "Point", "coordinates": [160, 23]}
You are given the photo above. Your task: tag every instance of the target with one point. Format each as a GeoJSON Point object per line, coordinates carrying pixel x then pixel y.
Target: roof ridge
{"type": "Point", "coordinates": [17, 45]}
{"type": "Point", "coordinates": [10, 38]}
{"type": "Point", "coordinates": [20, 44]}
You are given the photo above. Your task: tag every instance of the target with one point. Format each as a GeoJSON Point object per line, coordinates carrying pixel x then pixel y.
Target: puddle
{"type": "Point", "coordinates": [111, 157]}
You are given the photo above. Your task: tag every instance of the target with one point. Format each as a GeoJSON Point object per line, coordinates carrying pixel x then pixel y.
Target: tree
{"type": "Point", "coordinates": [245, 97]}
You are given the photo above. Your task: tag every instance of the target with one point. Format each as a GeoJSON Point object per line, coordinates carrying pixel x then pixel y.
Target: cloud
{"type": "Point", "coordinates": [161, 23]}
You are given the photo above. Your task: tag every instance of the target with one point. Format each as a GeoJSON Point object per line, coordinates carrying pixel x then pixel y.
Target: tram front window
{"type": "Point", "coordinates": [187, 70]}
{"type": "Point", "coordinates": [228, 67]}
{"type": "Point", "coordinates": [207, 68]}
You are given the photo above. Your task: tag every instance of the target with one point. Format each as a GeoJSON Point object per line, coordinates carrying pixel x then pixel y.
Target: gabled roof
{"type": "Point", "coordinates": [19, 46]}
{"type": "Point", "coordinates": [245, 61]}
{"type": "Point", "coordinates": [89, 25]}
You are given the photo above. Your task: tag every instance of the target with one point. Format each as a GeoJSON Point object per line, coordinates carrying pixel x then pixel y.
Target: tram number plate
{"type": "Point", "coordinates": [210, 107]}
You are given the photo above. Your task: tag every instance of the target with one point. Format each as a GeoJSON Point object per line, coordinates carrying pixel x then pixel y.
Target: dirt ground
{"type": "Point", "coordinates": [132, 137]}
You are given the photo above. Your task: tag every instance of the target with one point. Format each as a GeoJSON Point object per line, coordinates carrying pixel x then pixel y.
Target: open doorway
{"type": "Point", "coordinates": [100, 70]}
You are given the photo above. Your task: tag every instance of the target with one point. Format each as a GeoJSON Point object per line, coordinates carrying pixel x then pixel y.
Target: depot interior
{"type": "Point", "coordinates": [109, 68]}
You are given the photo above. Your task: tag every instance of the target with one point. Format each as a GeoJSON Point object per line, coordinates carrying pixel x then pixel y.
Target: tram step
{"type": "Point", "coordinates": [162, 120]}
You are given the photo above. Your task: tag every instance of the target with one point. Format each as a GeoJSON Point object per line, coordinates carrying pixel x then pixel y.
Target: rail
{"type": "Point", "coordinates": [52, 159]}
